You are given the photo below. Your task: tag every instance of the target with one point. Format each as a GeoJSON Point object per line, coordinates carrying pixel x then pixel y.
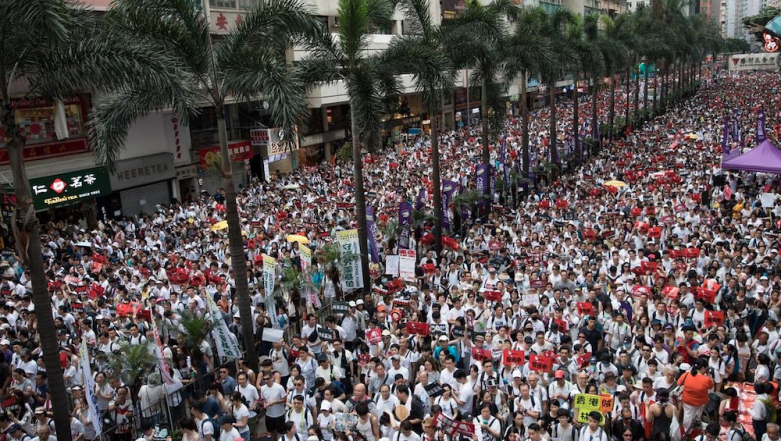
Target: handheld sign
{"type": "Point", "coordinates": [514, 357]}
{"type": "Point", "coordinates": [540, 364]}
{"type": "Point", "coordinates": [434, 389]}
{"type": "Point", "coordinates": [585, 308]}
{"type": "Point", "coordinates": [481, 354]}
{"type": "Point", "coordinates": [714, 318]}
{"type": "Point", "coordinates": [419, 328]}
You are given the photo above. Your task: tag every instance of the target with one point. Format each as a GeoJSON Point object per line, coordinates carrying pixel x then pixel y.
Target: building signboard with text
{"type": "Point", "coordinates": [69, 188]}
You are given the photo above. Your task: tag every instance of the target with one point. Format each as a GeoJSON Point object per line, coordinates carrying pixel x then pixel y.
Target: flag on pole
{"type": "Point", "coordinates": [760, 126]}
{"type": "Point", "coordinates": [89, 387]}
{"type": "Point", "coordinates": [164, 374]}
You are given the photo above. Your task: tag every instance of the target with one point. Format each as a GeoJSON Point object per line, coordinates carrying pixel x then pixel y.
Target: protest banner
{"type": "Point", "coordinates": [434, 389]}
{"type": "Point", "coordinates": [350, 261]}
{"type": "Point", "coordinates": [451, 427]}
{"type": "Point", "coordinates": [374, 336]}
{"type": "Point", "coordinates": [480, 354]}
{"type": "Point", "coordinates": [585, 308]}
{"type": "Point", "coordinates": [269, 273]}
{"type": "Point", "coordinates": [306, 257]}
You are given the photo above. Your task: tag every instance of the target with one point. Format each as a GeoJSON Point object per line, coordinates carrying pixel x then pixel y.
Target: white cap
{"type": "Point", "coordinates": [326, 405]}
{"type": "Point", "coordinates": [351, 304]}
{"type": "Point", "coordinates": [359, 302]}
{"type": "Point", "coordinates": [517, 374]}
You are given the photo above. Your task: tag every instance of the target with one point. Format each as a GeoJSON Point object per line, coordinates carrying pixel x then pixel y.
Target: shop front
{"type": "Point", "coordinates": [210, 160]}
{"type": "Point", "coordinates": [313, 147]}
{"type": "Point", "coordinates": [141, 184]}
{"type": "Point", "coordinates": [51, 130]}
{"type": "Point", "coordinates": [71, 192]}
{"type": "Point", "coordinates": [186, 186]}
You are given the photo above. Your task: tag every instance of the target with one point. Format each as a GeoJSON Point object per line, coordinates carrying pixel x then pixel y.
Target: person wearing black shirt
{"type": "Point", "coordinates": [593, 335]}
{"type": "Point", "coordinates": [416, 408]}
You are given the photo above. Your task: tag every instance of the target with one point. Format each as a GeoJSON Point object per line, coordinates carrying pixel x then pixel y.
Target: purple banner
{"type": "Point", "coordinates": [448, 191]}
{"type": "Point", "coordinates": [420, 202]}
{"type": "Point", "coordinates": [760, 126]}
{"type": "Point", "coordinates": [725, 146]}
{"type": "Point", "coordinates": [373, 233]}
{"type": "Point", "coordinates": [466, 212]}
{"type": "Point", "coordinates": [405, 221]}
{"type": "Point", "coordinates": [735, 126]}
{"type": "Point", "coordinates": [482, 180]}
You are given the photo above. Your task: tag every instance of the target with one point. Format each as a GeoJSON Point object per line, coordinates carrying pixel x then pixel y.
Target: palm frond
{"type": "Point", "coordinates": [252, 71]}
{"type": "Point", "coordinates": [194, 329]}
{"type": "Point", "coordinates": [418, 17]}
{"type": "Point", "coordinates": [133, 362]}
{"type": "Point", "coordinates": [354, 24]}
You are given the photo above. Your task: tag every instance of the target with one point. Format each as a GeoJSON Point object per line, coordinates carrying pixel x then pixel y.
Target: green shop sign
{"type": "Point", "coordinates": [69, 188]}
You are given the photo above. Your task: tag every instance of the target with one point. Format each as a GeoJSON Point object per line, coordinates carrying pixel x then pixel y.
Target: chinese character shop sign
{"type": "Point", "coordinates": [69, 188]}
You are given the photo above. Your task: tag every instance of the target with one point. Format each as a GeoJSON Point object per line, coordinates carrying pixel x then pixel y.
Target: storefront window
{"type": "Point", "coordinates": [36, 122]}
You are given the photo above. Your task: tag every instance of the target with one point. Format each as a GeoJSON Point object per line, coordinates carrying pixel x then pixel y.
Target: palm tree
{"type": "Point", "coordinates": [527, 50]}
{"type": "Point", "coordinates": [193, 331]}
{"type": "Point", "coordinates": [555, 31]}
{"type": "Point", "coordinates": [56, 48]}
{"type": "Point", "coordinates": [583, 38]}
{"type": "Point", "coordinates": [475, 41]}
{"type": "Point", "coordinates": [617, 36]}
{"type": "Point", "coordinates": [346, 59]}
{"type": "Point", "coordinates": [247, 62]}
{"type": "Point", "coordinates": [421, 53]}
{"type": "Point", "coordinates": [132, 363]}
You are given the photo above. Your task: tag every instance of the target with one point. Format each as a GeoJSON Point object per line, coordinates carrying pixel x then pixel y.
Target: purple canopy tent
{"type": "Point", "coordinates": [765, 158]}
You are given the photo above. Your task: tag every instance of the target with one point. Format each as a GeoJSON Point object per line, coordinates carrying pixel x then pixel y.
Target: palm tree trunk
{"type": "Point", "coordinates": [360, 204]}
{"type": "Point", "coordinates": [29, 229]}
{"type": "Point", "coordinates": [236, 244]}
{"type": "Point", "coordinates": [525, 126]}
{"type": "Point", "coordinates": [637, 94]}
{"type": "Point", "coordinates": [439, 210]}
{"type": "Point", "coordinates": [484, 120]}
{"type": "Point", "coordinates": [645, 89]}
{"type": "Point", "coordinates": [656, 92]}
{"type": "Point", "coordinates": [612, 117]}
{"type": "Point", "coordinates": [594, 119]}
{"type": "Point", "coordinates": [575, 109]}
{"type": "Point", "coordinates": [554, 153]}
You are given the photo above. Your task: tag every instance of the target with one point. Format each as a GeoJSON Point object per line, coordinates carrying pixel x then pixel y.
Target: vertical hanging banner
{"type": "Point", "coordinates": [448, 191]}
{"type": "Point", "coordinates": [725, 147]}
{"type": "Point", "coordinates": [405, 222]}
{"type": "Point", "coordinates": [482, 181]}
{"type": "Point", "coordinates": [349, 247]}
{"type": "Point", "coordinates": [227, 346]}
{"type": "Point", "coordinates": [407, 265]}
{"type": "Point", "coordinates": [89, 387]}
{"type": "Point", "coordinates": [420, 202]}
{"type": "Point", "coordinates": [735, 126]}
{"type": "Point", "coordinates": [503, 160]}
{"type": "Point", "coordinates": [760, 126]}
{"type": "Point", "coordinates": [269, 274]}
{"type": "Point", "coordinates": [164, 374]}
{"type": "Point", "coordinates": [306, 257]}
{"type": "Point", "coordinates": [371, 226]}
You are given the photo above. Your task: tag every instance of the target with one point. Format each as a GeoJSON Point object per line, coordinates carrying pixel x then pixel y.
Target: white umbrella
{"type": "Point", "coordinates": [292, 187]}
{"type": "Point", "coordinates": [84, 244]}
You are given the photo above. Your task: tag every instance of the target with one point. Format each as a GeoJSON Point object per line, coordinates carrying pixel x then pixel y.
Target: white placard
{"type": "Point", "coordinates": [392, 265]}
{"type": "Point", "coordinates": [407, 265]}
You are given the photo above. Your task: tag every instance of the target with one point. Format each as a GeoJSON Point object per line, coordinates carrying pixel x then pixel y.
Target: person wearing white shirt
{"type": "Point", "coordinates": [527, 405]}
{"type": "Point", "coordinates": [592, 431]}
{"type": "Point", "coordinates": [384, 401]}
{"type": "Point", "coordinates": [487, 427]}
{"type": "Point", "coordinates": [248, 391]}
{"type": "Point", "coordinates": [299, 415]}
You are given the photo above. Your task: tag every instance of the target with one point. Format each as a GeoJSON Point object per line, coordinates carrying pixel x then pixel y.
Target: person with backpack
{"type": "Point", "coordinates": [711, 433]}
{"type": "Point", "coordinates": [592, 431]}
{"type": "Point", "coordinates": [660, 413]}
{"type": "Point", "coordinates": [736, 431]}
{"type": "Point", "coordinates": [564, 430]}
{"type": "Point", "coordinates": [208, 429]}
{"type": "Point", "coordinates": [764, 411]}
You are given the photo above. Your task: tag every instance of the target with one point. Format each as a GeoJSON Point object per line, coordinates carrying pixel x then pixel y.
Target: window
{"type": "Point", "coordinates": [224, 4]}
{"type": "Point", "coordinates": [36, 121]}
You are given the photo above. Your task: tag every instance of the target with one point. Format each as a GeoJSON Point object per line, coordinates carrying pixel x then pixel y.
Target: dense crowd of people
{"type": "Point", "coordinates": [642, 310]}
